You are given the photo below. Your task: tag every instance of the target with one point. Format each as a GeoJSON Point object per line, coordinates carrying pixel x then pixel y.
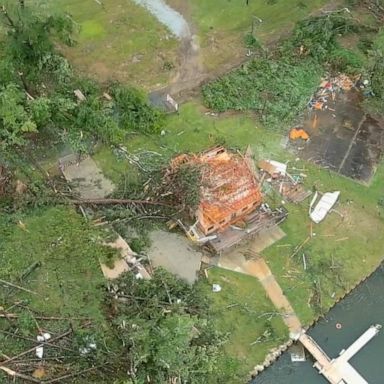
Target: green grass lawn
{"type": "Point", "coordinates": [344, 249]}
{"type": "Point", "coordinates": [243, 311]}
{"type": "Point", "coordinates": [68, 280]}
{"type": "Point", "coordinates": [122, 41]}
{"type": "Point", "coordinates": [119, 41]}
{"type": "Point", "coordinates": [222, 25]}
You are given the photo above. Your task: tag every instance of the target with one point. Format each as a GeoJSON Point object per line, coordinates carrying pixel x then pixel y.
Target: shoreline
{"type": "Point", "coordinates": [275, 353]}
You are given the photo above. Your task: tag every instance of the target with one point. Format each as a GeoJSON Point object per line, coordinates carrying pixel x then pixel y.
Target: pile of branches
{"type": "Point", "coordinates": [376, 7]}
{"type": "Point", "coordinates": [47, 349]}
{"type": "Point", "coordinates": [164, 328]}
{"type": "Point", "coordinates": [181, 186]}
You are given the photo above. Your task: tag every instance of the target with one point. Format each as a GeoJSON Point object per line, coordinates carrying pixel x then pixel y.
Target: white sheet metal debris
{"type": "Point", "coordinates": [324, 205]}
{"type": "Point", "coordinates": [41, 339]}
{"type": "Point", "coordinates": [273, 167]}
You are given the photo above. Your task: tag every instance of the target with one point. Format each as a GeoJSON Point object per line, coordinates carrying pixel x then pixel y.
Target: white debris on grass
{"type": "Point", "coordinates": [41, 339]}
{"type": "Point", "coordinates": [322, 208]}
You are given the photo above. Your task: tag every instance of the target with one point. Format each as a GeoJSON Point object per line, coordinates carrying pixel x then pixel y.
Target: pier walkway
{"type": "Point", "coordinates": [339, 371]}
{"type": "Point", "coordinates": [336, 371]}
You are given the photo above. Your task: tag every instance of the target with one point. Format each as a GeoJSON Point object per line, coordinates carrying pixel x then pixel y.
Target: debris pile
{"type": "Point", "coordinates": [230, 204]}
{"type": "Point", "coordinates": [288, 186]}
{"type": "Point", "coordinates": [323, 206]}
{"type": "Point", "coordinates": [128, 261]}
{"type": "Point", "coordinates": [328, 89]}
{"type": "Point", "coordinates": [228, 190]}
{"type": "Point", "coordinates": [298, 133]}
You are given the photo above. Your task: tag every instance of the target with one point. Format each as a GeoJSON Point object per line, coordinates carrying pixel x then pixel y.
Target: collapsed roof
{"type": "Point", "coordinates": [229, 190]}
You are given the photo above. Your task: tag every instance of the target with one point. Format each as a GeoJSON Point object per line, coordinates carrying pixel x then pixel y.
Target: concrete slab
{"type": "Point", "coordinates": [343, 138]}
{"type": "Point", "coordinates": [119, 267]}
{"type": "Point", "coordinates": [127, 262]}
{"type": "Point", "coordinates": [86, 177]}
{"type": "Point", "coordinates": [174, 253]}
{"type": "Point", "coordinates": [265, 239]}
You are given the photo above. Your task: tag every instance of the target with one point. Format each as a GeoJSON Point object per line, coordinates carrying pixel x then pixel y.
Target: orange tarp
{"type": "Point", "coordinates": [298, 133]}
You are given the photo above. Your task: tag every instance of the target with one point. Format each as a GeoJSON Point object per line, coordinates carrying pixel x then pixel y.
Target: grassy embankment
{"type": "Point", "coordinates": [222, 25]}
{"type": "Point", "coordinates": [120, 41]}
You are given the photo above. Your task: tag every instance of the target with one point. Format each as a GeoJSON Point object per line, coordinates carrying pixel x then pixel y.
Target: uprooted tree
{"type": "Point", "coordinates": [164, 326]}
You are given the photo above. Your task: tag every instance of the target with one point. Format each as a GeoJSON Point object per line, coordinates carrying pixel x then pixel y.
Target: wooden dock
{"type": "Point", "coordinates": [339, 371]}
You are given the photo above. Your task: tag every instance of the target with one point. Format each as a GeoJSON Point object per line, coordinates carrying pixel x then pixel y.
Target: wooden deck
{"type": "Point", "coordinates": [255, 222]}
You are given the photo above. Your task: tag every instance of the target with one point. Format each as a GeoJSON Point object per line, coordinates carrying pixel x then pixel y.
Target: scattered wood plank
{"type": "Point", "coordinates": [300, 246]}
{"type": "Point", "coordinates": [343, 238]}
{"type": "Point", "coordinates": [61, 378]}
{"type": "Point", "coordinates": [37, 342]}
{"type": "Point", "coordinates": [15, 316]}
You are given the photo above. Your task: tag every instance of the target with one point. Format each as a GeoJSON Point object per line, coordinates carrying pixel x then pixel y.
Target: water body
{"type": "Point", "coordinates": [172, 19]}
{"type": "Point", "coordinates": [363, 307]}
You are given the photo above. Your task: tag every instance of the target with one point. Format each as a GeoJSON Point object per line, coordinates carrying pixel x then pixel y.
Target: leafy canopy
{"type": "Point", "coordinates": [164, 325]}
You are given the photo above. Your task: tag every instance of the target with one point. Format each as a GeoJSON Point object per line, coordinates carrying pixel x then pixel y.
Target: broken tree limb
{"type": "Point", "coordinates": [15, 316]}
{"type": "Point", "coordinates": [61, 378]}
{"type": "Point", "coordinates": [300, 246]}
{"type": "Point", "coordinates": [117, 201]}
{"type": "Point", "coordinates": [14, 374]}
{"type": "Point", "coordinates": [17, 287]}
{"type": "Point", "coordinates": [30, 269]}
{"type": "Point", "coordinates": [36, 342]}
{"type": "Point", "coordinates": [7, 361]}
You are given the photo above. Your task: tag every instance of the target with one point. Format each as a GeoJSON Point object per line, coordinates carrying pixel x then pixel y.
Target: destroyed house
{"type": "Point", "coordinates": [229, 190]}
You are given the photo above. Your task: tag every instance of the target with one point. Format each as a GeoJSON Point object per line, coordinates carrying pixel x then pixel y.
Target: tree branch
{"type": "Point", "coordinates": [116, 201]}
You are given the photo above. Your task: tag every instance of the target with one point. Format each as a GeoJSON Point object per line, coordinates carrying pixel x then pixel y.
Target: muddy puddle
{"type": "Point", "coordinates": [344, 138]}
{"type": "Point", "coordinates": [166, 15]}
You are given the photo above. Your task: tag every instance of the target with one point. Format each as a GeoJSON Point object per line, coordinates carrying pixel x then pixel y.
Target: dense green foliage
{"type": "Point", "coordinates": [278, 91]}
{"type": "Point", "coordinates": [16, 116]}
{"type": "Point", "coordinates": [30, 33]}
{"type": "Point", "coordinates": [161, 328]}
{"type": "Point", "coordinates": [317, 36]}
{"type": "Point", "coordinates": [377, 66]}
{"type": "Point", "coordinates": [165, 327]}
{"type": "Point", "coordinates": [278, 87]}
{"type": "Point", "coordinates": [37, 88]}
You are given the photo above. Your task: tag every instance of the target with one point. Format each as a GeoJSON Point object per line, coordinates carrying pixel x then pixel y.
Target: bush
{"type": "Point", "coordinates": [251, 42]}
{"type": "Point", "coordinates": [276, 90]}
{"type": "Point", "coordinates": [133, 111]}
